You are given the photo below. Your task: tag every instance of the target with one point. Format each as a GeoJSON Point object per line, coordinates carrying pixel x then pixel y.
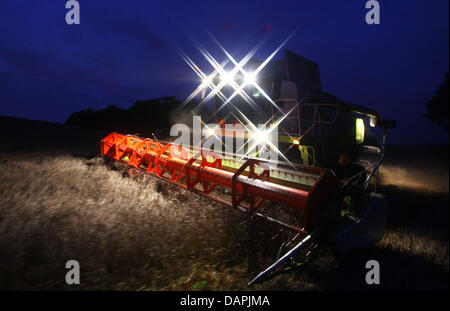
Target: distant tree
{"type": "Point", "coordinates": [438, 106]}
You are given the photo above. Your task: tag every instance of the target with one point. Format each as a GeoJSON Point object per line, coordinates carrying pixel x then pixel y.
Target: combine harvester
{"type": "Point", "coordinates": [322, 175]}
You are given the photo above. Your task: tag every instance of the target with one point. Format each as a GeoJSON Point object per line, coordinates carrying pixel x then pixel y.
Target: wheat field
{"type": "Point", "coordinates": [59, 201]}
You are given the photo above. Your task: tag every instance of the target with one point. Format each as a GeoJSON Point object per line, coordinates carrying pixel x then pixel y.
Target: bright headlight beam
{"type": "Point", "coordinates": [250, 78]}
{"type": "Point", "coordinates": [251, 128]}
{"type": "Point", "coordinates": [203, 76]}
{"type": "Point", "coordinates": [266, 61]}
{"type": "Point", "coordinates": [260, 136]}
{"type": "Point", "coordinates": [239, 67]}
{"type": "Point", "coordinates": [227, 78]}
{"type": "Point", "coordinates": [217, 67]}
{"type": "Point", "coordinates": [207, 80]}
{"type": "Point", "coordinates": [210, 132]}
{"type": "Point", "coordinates": [238, 89]}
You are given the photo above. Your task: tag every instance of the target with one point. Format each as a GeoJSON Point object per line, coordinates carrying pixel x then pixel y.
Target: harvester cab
{"type": "Point", "coordinates": [316, 127]}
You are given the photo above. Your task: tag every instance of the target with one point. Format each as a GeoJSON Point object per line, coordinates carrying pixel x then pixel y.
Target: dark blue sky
{"type": "Point", "coordinates": [126, 50]}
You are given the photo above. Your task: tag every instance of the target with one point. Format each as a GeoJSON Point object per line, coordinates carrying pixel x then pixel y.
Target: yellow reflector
{"type": "Point", "coordinates": [359, 130]}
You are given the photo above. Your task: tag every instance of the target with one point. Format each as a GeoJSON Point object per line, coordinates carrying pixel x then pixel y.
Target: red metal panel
{"type": "Point", "coordinates": [171, 162]}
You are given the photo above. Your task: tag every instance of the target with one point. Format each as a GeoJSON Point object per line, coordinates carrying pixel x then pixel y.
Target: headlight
{"type": "Point", "coordinates": [210, 132]}
{"type": "Point", "coordinates": [260, 136]}
{"type": "Point", "coordinates": [226, 78]}
{"type": "Point", "coordinates": [206, 81]}
{"type": "Point", "coordinates": [250, 79]}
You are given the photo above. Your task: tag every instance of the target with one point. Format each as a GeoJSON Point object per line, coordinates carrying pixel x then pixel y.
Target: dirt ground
{"type": "Point", "coordinates": [59, 201]}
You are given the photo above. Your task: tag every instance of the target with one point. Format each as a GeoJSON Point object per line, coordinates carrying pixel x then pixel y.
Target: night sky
{"type": "Point", "coordinates": [126, 50]}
